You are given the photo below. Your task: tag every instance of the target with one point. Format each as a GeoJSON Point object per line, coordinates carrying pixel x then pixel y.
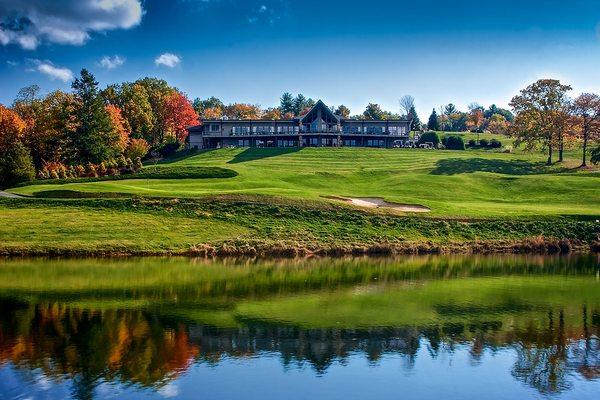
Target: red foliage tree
{"type": "Point", "coordinates": [179, 115]}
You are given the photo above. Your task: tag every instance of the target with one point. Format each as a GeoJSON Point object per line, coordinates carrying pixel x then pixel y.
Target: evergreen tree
{"type": "Point", "coordinates": [300, 104]}
{"type": "Point", "coordinates": [433, 124]}
{"type": "Point", "coordinates": [287, 103]}
{"type": "Point", "coordinates": [416, 122]}
{"type": "Point", "coordinates": [94, 138]}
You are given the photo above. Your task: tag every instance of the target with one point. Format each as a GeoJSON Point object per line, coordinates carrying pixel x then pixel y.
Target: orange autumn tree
{"type": "Point", "coordinates": [179, 115]}
{"type": "Point", "coordinates": [16, 164]}
{"type": "Point", "coordinates": [120, 126]}
{"type": "Point", "coordinates": [243, 111]}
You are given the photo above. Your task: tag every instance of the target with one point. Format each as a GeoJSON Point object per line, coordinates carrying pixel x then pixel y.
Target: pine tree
{"type": "Point", "coordinates": [433, 124]}
{"type": "Point", "coordinates": [300, 103]}
{"type": "Point", "coordinates": [94, 138]}
{"type": "Point", "coordinates": [287, 103]}
{"type": "Point", "coordinates": [416, 122]}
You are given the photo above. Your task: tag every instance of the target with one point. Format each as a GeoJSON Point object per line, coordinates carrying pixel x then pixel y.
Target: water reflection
{"type": "Point", "coordinates": [56, 320]}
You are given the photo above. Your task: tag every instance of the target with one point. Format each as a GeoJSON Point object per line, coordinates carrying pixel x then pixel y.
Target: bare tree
{"type": "Point", "coordinates": [406, 103]}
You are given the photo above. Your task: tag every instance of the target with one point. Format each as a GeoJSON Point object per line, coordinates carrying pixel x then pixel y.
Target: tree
{"type": "Point", "coordinates": [212, 103]}
{"type": "Point", "coordinates": [158, 90]}
{"type": "Point", "coordinates": [179, 115]}
{"type": "Point", "coordinates": [119, 125]}
{"type": "Point", "coordinates": [137, 148]}
{"type": "Point", "coordinates": [94, 138]}
{"type": "Point", "coordinates": [416, 122]}
{"type": "Point", "coordinates": [586, 109]}
{"type": "Point", "coordinates": [432, 123]}
{"type": "Point", "coordinates": [212, 113]}
{"type": "Point", "coordinates": [134, 102]}
{"type": "Point", "coordinates": [407, 103]}
{"type": "Point", "coordinates": [16, 164]}
{"type": "Point", "coordinates": [287, 104]}
{"type": "Point", "coordinates": [493, 109]}
{"type": "Point", "coordinates": [301, 104]}
{"type": "Point", "coordinates": [475, 119]}
{"type": "Point", "coordinates": [272, 114]}
{"type": "Point", "coordinates": [497, 124]}
{"type": "Point", "coordinates": [541, 114]}
{"type": "Point", "coordinates": [374, 111]}
{"type": "Point", "coordinates": [454, 142]}
{"type": "Point", "coordinates": [342, 111]}
{"type": "Point", "coordinates": [450, 109]}
{"type": "Point", "coordinates": [243, 111]}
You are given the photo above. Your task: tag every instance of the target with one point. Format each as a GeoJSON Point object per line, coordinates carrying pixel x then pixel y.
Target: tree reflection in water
{"type": "Point", "coordinates": [148, 337]}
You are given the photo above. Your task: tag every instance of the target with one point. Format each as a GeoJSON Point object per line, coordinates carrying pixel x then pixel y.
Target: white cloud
{"type": "Point", "coordinates": [111, 62]}
{"type": "Point", "coordinates": [29, 22]}
{"type": "Point", "coordinates": [54, 72]}
{"type": "Point", "coordinates": [168, 60]}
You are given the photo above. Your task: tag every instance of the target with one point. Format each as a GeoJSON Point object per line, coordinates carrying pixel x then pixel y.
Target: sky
{"type": "Point", "coordinates": [349, 52]}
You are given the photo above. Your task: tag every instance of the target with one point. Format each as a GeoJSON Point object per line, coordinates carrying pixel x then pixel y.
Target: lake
{"type": "Point", "coordinates": [432, 327]}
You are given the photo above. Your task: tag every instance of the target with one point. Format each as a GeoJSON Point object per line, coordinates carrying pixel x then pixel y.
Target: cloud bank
{"type": "Point", "coordinates": [27, 23]}
{"type": "Point", "coordinates": [168, 60]}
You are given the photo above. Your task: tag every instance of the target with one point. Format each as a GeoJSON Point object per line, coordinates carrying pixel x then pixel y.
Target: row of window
{"type": "Point", "coordinates": [269, 129]}
{"type": "Point", "coordinates": [313, 142]}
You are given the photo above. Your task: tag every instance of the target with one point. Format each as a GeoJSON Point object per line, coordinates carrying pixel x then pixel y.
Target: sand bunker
{"type": "Point", "coordinates": [378, 202]}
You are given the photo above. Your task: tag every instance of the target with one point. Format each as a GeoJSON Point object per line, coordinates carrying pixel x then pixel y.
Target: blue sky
{"type": "Point", "coordinates": [351, 52]}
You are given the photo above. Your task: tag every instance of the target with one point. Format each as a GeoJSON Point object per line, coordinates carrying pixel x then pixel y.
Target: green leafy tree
{"type": "Point", "coordinates": [287, 104]}
{"type": "Point", "coordinates": [433, 123]}
{"type": "Point", "coordinates": [542, 113]}
{"type": "Point", "coordinates": [94, 137]}
{"type": "Point", "coordinates": [212, 103]}
{"type": "Point", "coordinates": [374, 111]}
{"type": "Point", "coordinates": [342, 111]}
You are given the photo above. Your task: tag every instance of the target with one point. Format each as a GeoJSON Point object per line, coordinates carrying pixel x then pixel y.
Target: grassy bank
{"type": "Point", "coordinates": [249, 225]}
{"type": "Point", "coordinates": [279, 201]}
{"type": "Point", "coordinates": [451, 183]}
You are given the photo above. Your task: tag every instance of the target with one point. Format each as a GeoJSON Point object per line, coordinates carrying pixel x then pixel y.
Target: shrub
{"type": "Point", "coordinates": [44, 173]}
{"type": "Point", "coordinates": [138, 164]}
{"type": "Point", "coordinates": [54, 174]}
{"type": "Point", "coordinates": [484, 143]}
{"type": "Point", "coordinates": [137, 148]}
{"type": "Point", "coordinates": [102, 169]}
{"type": "Point", "coordinates": [79, 170]}
{"type": "Point", "coordinates": [495, 144]}
{"type": "Point", "coordinates": [62, 172]}
{"type": "Point", "coordinates": [16, 165]}
{"type": "Point", "coordinates": [454, 143]}
{"type": "Point", "coordinates": [430, 137]}
{"type": "Point", "coordinates": [472, 143]}
{"type": "Point", "coordinates": [121, 162]}
{"type": "Point", "coordinates": [595, 156]}
{"type": "Point", "coordinates": [91, 170]}
{"type": "Point", "coordinates": [130, 165]}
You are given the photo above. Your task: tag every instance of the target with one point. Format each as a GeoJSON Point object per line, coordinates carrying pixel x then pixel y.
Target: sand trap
{"type": "Point", "coordinates": [378, 202]}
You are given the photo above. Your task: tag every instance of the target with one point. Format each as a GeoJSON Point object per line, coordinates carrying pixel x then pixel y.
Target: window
{"type": "Point", "coordinates": [350, 142]}
{"type": "Point", "coordinates": [351, 129]}
{"type": "Point", "coordinates": [240, 130]}
{"type": "Point", "coordinates": [214, 128]}
{"type": "Point", "coordinates": [397, 130]}
{"type": "Point", "coordinates": [375, 143]}
{"type": "Point", "coordinates": [375, 129]}
{"type": "Point", "coordinates": [244, 143]}
{"type": "Point", "coordinates": [287, 143]}
{"type": "Point", "coordinates": [313, 142]}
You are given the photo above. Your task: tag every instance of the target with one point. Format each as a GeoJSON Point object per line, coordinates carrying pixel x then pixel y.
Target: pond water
{"type": "Point", "coordinates": [451, 327]}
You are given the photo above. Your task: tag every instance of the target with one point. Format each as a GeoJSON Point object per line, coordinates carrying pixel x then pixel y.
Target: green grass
{"type": "Point", "coordinates": [275, 196]}
{"type": "Point", "coordinates": [473, 183]}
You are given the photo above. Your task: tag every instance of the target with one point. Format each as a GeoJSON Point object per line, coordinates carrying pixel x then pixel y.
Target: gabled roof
{"type": "Point", "coordinates": [324, 109]}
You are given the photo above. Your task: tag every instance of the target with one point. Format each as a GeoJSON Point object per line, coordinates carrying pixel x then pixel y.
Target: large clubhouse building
{"type": "Point", "coordinates": [318, 128]}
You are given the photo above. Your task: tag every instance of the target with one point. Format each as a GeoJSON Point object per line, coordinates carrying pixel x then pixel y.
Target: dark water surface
{"type": "Point", "coordinates": [437, 327]}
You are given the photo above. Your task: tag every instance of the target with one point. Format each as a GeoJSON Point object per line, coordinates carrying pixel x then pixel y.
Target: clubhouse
{"type": "Point", "coordinates": [319, 127]}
